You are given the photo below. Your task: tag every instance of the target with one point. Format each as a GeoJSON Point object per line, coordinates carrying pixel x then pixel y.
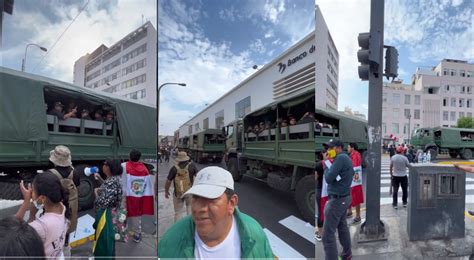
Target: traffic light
{"type": "Point", "coordinates": [369, 54]}
{"type": "Point", "coordinates": [391, 62]}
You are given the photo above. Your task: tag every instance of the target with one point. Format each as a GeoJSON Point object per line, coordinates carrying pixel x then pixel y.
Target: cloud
{"type": "Point", "coordinates": [97, 24]}
{"type": "Point", "coordinates": [229, 14]}
{"type": "Point", "coordinates": [269, 34]}
{"type": "Point", "coordinates": [273, 9]}
{"type": "Point", "coordinates": [257, 46]}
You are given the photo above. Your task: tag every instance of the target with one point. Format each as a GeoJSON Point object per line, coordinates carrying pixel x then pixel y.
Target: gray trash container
{"type": "Point", "coordinates": [437, 200]}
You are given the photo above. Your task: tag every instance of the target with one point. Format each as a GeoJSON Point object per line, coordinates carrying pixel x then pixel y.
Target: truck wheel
{"type": "Point", "coordinates": [232, 168]}
{"type": "Point", "coordinates": [453, 154]}
{"type": "Point", "coordinates": [10, 190]}
{"type": "Point", "coordinates": [466, 154]}
{"type": "Point", "coordinates": [433, 152]}
{"type": "Point", "coordinates": [305, 197]}
{"type": "Point", "coordinates": [276, 181]}
{"type": "Point", "coordinates": [85, 189]}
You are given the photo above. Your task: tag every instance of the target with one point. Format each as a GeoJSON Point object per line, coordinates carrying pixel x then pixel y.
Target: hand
{"type": "Point", "coordinates": [167, 194]}
{"type": "Point", "coordinates": [96, 192]}
{"type": "Point", "coordinates": [456, 165]}
{"type": "Point", "coordinates": [26, 191]}
{"type": "Point", "coordinates": [97, 177]}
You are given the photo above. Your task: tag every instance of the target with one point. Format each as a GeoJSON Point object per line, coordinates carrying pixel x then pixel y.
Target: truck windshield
{"type": "Point", "coordinates": [230, 130]}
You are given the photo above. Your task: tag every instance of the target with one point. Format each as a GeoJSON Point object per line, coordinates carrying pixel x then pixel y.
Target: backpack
{"type": "Point", "coordinates": [182, 181]}
{"type": "Point", "coordinates": [69, 185]}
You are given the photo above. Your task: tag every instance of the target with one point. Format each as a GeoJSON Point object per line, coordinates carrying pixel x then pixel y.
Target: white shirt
{"type": "Point", "coordinates": [229, 248]}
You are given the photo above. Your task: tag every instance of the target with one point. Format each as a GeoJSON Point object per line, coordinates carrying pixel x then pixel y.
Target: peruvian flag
{"type": "Point", "coordinates": [357, 191]}
{"type": "Point", "coordinates": [324, 191]}
{"type": "Point", "coordinates": [139, 190]}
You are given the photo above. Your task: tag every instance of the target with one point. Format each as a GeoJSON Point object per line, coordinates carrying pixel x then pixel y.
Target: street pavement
{"type": "Point", "coordinates": [289, 235]}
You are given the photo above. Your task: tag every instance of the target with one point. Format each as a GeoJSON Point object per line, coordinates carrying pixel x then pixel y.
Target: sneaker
{"type": "Point", "coordinates": [356, 221]}
{"type": "Point", "coordinates": [318, 236]}
{"type": "Point", "coordinates": [405, 205]}
{"type": "Point", "coordinates": [395, 206]}
{"type": "Point", "coordinates": [137, 237]}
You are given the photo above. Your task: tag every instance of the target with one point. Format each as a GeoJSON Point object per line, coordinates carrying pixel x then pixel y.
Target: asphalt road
{"type": "Point", "coordinates": [276, 212]}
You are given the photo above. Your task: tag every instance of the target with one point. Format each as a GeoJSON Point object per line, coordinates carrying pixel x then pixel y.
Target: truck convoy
{"type": "Point", "coordinates": [28, 132]}
{"type": "Point", "coordinates": [205, 146]}
{"type": "Point", "coordinates": [268, 145]}
{"type": "Point", "coordinates": [455, 141]}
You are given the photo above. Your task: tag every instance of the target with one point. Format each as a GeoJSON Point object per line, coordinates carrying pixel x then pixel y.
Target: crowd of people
{"type": "Point", "coordinates": [72, 112]}
{"type": "Point", "coordinates": [122, 198]}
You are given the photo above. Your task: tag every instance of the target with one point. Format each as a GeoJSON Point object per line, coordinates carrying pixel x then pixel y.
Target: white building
{"type": "Point", "coordinates": [127, 68]}
{"type": "Point", "coordinates": [447, 92]}
{"type": "Point", "coordinates": [313, 61]}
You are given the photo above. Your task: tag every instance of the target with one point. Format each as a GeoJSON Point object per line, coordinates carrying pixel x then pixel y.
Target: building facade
{"type": "Point", "coordinates": [294, 70]}
{"type": "Point", "coordinates": [127, 68]}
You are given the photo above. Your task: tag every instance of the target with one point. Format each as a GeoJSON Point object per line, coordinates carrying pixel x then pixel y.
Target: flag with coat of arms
{"type": "Point", "coordinates": [138, 189]}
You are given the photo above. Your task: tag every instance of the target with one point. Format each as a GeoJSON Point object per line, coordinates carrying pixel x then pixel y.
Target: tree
{"type": "Point", "coordinates": [465, 122]}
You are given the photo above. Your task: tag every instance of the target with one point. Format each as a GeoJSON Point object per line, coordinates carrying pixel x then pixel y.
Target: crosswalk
{"type": "Point", "coordinates": [386, 198]}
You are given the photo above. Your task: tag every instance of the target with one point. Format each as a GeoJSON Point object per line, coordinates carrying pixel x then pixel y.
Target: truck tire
{"type": "Point", "coordinates": [433, 152]}
{"type": "Point", "coordinates": [305, 197]}
{"type": "Point", "coordinates": [233, 169]}
{"type": "Point", "coordinates": [85, 189]}
{"type": "Point", "coordinates": [276, 181]}
{"type": "Point", "coordinates": [453, 154]}
{"type": "Point", "coordinates": [10, 190]}
{"type": "Point", "coordinates": [466, 154]}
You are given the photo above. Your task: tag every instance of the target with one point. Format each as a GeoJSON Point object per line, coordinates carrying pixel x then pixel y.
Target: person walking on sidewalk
{"type": "Point", "coordinates": [466, 168]}
{"type": "Point", "coordinates": [398, 172]}
{"type": "Point", "coordinates": [216, 229]}
{"type": "Point", "coordinates": [357, 192]}
{"type": "Point", "coordinates": [182, 175]}
{"type": "Point", "coordinates": [139, 191]}
{"type": "Point", "coordinates": [338, 176]}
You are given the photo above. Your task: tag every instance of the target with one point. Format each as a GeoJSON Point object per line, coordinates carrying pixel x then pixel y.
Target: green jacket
{"type": "Point", "coordinates": [178, 241]}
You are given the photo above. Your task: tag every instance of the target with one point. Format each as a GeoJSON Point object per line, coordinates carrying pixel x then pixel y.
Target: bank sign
{"type": "Point", "coordinates": [282, 66]}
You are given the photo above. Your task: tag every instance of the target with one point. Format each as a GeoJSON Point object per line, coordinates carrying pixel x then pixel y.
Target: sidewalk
{"type": "Point", "coordinates": [398, 247]}
{"type": "Point", "coordinates": [166, 216]}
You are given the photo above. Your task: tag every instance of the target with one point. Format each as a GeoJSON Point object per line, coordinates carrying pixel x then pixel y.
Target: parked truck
{"type": "Point", "coordinates": [28, 132]}
{"type": "Point", "coordinates": [207, 146]}
{"type": "Point", "coordinates": [285, 156]}
{"type": "Point", "coordinates": [455, 141]}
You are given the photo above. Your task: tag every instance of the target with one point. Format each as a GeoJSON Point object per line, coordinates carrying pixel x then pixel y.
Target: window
{"type": "Point", "coordinates": [132, 54]}
{"type": "Point", "coordinates": [395, 113]}
{"type": "Point", "coordinates": [470, 74]}
{"type": "Point", "coordinates": [417, 114]}
{"type": "Point", "coordinates": [142, 93]}
{"type": "Point", "coordinates": [445, 102]}
{"type": "Point", "coordinates": [196, 127]}
{"type": "Point", "coordinates": [135, 66]}
{"type": "Point", "coordinates": [453, 72]}
{"type": "Point", "coordinates": [469, 89]}
{"type": "Point", "coordinates": [112, 65]}
{"type": "Point", "coordinates": [417, 99]}
{"type": "Point", "coordinates": [205, 123]}
{"type": "Point", "coordinates": [453, 116]}
{"type": "Point", "coordinates": [405, 128]}
{"type": "Point", "coordinates": [132, 82]}
{"type": "Point", "coordinates": [463, 89]}
{"type": "Point", "coordinates": [407, 100]}
{"type": "Point", "coordinates": [462, 73]}
{"type": "Point", "coordinates": [406, 113]}
{"type": "Point", "coordinates": [220, 119]}
{"type": "Point", "coordinates": [242, 107]}
{"type": "Point", "coordinates": [461, 114]}
{"type": "Point", "coordinates": [396, 99]}
{"type": "Point", "coordinates": [445, 116]}
{"type": "Point", "coordinates": [395, 129]}
{"type": "Point", "coordinates": [384, 128]}
{"type": "Point", "coordinates": [446, 89]}
{"type": "Point", "coordinates": [461, 102]}
{"type": "Point", "coordinates": [445, 72]}
{"type": "Point", "coordinates": [469, 103]}
{"type": "Point", "coordinates": [453, 102]}
{"type": "Point", "coordinates": [331, 83]}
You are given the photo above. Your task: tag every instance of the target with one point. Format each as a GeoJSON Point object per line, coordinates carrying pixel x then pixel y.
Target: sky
{"type": "Point", "coordinates": [43, 21]}
{"type": "Point", "coordinates": [423, 31]}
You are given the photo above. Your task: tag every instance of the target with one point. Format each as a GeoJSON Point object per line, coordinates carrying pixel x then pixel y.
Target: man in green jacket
{"type": "Point", "coordinates": [216, 229]}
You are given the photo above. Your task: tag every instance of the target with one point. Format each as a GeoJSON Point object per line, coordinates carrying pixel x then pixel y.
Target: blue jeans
{"type": "Point", "coordinates": [335, 218]}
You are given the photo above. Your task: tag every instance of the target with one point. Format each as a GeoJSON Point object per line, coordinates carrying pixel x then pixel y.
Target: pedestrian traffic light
{"type": "Point", "coordinates": [391, 62]}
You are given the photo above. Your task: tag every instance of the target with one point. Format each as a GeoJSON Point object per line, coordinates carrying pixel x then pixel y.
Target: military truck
{"type": "Point", "coordinates": [455, 141]}
{"type": "Point", "coordinates": [207, 146]}
{"type": "Point", "coordinates": [285, 156]}
{"type": "Point", "coordinates": [28, 132]}
{"type": "Point", "coordinates": [183, 144]}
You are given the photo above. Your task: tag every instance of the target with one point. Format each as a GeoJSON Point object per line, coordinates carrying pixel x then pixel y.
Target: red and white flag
{"type": "Point", "coordinates": [139, 190]}
{"type": "Point", "coordinates": [357, 191]}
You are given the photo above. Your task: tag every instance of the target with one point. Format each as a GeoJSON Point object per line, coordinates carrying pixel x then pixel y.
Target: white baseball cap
{"type": "Point", "coordinates": [211, 182]}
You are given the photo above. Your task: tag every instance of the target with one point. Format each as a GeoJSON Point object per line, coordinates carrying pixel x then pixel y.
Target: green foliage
{"type": "Point", "coordinates": [465, 122]}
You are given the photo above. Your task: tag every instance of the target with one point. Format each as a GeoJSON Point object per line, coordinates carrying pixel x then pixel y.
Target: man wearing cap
{"type": "Point", "coordinates": [398, 172]}
{"type": "Point", "coordinates": [182, 175]}
{"type": "Point", "coordinates": [338, 176]}
{"type": "Point", "coordinates": [58, 111]}
{"type": "Point", "coordinates": [216, 229]}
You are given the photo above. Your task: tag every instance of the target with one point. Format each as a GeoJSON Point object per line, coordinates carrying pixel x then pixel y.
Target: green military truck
{"type": "Point", "coordinates": [28, 132]}
{"type": "Point", "coordinates": [207, 146]}
{"type": "Point", "coordinates": [285, 156]}
{"type": "Point", "coordinates": [455, 141]}
{"type": "Point", "coordinates": [183, 144]}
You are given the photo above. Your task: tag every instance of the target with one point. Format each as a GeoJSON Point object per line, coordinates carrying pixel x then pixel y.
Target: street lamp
{"type": "Point", "coordinates": [23, 62]}
{"type": "Point", "coordinates": [409, 132]}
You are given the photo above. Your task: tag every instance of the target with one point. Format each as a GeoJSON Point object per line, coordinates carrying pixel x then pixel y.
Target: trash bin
{"type": "Point", "coordinates": [437, 197]}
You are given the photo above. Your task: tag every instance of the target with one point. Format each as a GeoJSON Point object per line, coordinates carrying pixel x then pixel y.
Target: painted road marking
{"type": "Point", "coordinates": [281, 249]}
{"type": "Point", "coordinates": [300, 227]}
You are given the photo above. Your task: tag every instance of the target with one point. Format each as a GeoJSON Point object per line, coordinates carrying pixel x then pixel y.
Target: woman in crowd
{"type": "Point", "coordinates": [18, 239]}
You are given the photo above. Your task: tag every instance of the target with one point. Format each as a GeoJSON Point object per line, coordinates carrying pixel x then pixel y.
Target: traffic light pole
{"type": "Point", "coordinates": [373, 228]}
